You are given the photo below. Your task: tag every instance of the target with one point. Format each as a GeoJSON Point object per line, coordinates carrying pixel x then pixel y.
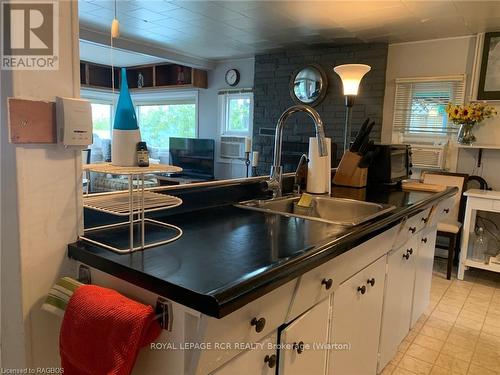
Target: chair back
{"type": "Point", "coordinates": [450, 179]}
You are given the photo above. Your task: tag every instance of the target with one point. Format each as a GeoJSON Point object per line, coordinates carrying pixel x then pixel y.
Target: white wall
{"type": "Point", "coordinates": [443, 57]}
{"type": "Point", "coordinates": [209, 123]}
{"type": "Point", "coordinates": [41, 211]}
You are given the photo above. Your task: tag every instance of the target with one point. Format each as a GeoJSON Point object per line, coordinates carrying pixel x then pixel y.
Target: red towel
{"type": "Point", "coordinates": [103, 331]}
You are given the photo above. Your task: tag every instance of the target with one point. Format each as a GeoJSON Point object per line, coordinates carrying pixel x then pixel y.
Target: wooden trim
{"type": "Point", "coordinates": [481, 94]}
{"type": "Point", "coordinates": [199, 78]}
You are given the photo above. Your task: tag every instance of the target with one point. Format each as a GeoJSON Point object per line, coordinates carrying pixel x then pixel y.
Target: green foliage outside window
{"type": "Point", "coordinates": [159, 122]}
{"type": "Point", "coordinates": [239, 114]}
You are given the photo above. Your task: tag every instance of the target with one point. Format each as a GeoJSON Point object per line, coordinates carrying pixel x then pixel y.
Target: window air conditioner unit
{"type": "Point", "coordinates": [232, 147]}
{"type": "Point", "coordinates": [428, 156]}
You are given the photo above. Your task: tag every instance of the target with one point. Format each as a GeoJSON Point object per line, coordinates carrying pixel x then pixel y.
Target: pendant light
{"type": "Point", "coordinates": [115, 26]}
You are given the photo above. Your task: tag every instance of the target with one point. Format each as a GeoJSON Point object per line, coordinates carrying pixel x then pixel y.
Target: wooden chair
{"type": "Point", "coordinates": [450, 228]}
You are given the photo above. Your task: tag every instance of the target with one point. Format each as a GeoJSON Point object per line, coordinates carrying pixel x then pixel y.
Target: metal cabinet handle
{"type": "Point", "coordinates": [424, 240]}
{"type": "Point", "coordinates": [412, 229]}
{"type": "Point", "coordinates": [270, 360]}
{"type": "Point", "coordinates": [327, 283]}
{"type": "Point", "coordinates": [446, 210]}
{"type": "Point", "coordinates": [258, 323]}
{"type": "Point", "coordinates": [299, 347]}
{"type": "Point", "coordinates": [362, 289]}
{"type": "Point", "coordinates": [409, 251]}
{"type": "Point", "coordinates": [406, 256]}
{"type": "Point", "coordinates": [371, 281]}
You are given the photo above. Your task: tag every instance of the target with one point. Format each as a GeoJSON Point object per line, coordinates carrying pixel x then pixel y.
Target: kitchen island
{"type": "Point", "coordinates": [240, 282]}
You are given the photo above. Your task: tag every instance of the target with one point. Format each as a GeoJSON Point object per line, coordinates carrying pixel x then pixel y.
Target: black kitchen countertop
{"type": "Point", "coordinates": [228, 256]}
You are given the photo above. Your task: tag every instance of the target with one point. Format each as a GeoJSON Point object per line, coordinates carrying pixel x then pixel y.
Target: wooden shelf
{"type": "Point", "coordinates": [155, 76]}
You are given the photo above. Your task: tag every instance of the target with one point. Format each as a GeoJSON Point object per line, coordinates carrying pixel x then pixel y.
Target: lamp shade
{"type": "Point", "coordinates": [351, 75]}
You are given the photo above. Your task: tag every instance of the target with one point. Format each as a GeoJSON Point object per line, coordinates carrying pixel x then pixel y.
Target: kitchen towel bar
{"type": "Point", "coordinates": [59, 295]}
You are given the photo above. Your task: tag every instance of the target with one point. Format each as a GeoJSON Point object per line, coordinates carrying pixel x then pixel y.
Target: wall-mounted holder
{"type": "Point", "coordinates": [31, 121]}
{"type": "Point", "coordinates": [349, 173]}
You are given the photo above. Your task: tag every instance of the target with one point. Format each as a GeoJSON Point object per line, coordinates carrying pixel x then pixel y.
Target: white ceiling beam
{"type": "Point", "coordinates": [143, 47]}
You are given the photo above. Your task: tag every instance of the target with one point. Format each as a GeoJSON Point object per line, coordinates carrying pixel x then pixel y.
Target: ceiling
{"type": "Point", "coordinates": [216, 30]}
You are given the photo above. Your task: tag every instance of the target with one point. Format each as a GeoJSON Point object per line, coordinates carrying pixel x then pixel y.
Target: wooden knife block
{"type": "Point", "coordinates": [348, 173]}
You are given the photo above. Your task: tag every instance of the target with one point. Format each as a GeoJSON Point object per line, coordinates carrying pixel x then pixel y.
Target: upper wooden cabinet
{"type": "Point", "coordinates": [153, 76]}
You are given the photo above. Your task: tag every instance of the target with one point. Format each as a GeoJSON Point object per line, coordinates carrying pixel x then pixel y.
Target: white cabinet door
{"type": "Point", "coordinates": [423, 274]}
{"type": "Point", "coordinates": [259, 361]}
{"type": "Point", "coordinates": [357, 310]}
{"type": "Point", "coordinates": [304, 342]}
{"type": "Point", "coordinates": [398, 299]}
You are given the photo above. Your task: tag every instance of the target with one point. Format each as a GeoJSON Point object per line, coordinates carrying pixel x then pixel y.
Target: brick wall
{"type": "Point", "coordinates": [272, 97]}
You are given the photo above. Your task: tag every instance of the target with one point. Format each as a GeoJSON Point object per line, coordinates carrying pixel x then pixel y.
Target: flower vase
{"type": "Point", "coordinates": [465, 135]}
{"type": "Point", "coordinates": [126, 133]}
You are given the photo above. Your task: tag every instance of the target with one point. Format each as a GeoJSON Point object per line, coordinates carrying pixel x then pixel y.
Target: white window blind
{"type": "Point", "coordinates": [420, 104]}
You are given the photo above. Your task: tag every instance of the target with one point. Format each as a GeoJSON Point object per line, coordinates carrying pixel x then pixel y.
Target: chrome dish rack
{"type": "Point", "coordinates": [132, 204]}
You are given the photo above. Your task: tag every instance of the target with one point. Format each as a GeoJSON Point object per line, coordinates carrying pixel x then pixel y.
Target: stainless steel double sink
{"type": "Point", "coordinates": [340, 211]}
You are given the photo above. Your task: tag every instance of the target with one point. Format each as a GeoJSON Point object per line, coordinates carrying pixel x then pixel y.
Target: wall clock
{"type": "Point", "coordinates": [232, 77]}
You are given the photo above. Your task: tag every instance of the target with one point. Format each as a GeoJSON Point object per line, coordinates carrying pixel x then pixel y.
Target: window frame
{"type": "Point", "coordinates": [224, 100]}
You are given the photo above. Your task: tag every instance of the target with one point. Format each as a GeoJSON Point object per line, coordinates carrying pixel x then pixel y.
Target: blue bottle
{"type": "Point", "coordinates": [126, 133]}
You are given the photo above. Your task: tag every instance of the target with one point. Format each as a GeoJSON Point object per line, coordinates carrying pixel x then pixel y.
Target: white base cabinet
{"type": "Point", "coordinates": [398, 299]}
{"type": "Point", "coordinates": [357, 312]}
{"type": "Point", "coordinates": [365, 299]}
{"type": "Point", "coordinates": [423, 274]}
{"type": "Point", "coordinates": [304, 342]}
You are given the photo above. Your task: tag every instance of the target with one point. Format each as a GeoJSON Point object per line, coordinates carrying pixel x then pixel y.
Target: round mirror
{"type": "Point", "coordinates": [308, 85]}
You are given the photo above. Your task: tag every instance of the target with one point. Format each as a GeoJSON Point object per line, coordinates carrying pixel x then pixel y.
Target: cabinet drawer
{"type": "Point", "coordinates": [261, 360]}
{"type": "Point", "coordinates": [312, 287]}
{"type": "Point", "coordinates": [411, 227]}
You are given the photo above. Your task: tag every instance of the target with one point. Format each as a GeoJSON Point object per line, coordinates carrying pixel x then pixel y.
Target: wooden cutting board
{"type": "Point", "coordinates": [420, 186]}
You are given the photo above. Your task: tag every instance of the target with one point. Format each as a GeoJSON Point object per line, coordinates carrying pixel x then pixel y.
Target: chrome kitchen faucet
{"type": "Point", "coordinates": [275, 180]}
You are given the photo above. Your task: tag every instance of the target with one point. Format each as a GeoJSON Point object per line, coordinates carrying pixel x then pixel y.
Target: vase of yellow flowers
{"type": "Point", "coordinates": [468, 117]}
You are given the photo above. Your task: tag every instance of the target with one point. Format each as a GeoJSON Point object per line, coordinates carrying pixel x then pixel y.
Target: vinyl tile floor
{"type": "Point", "coordinates": [459, 333]}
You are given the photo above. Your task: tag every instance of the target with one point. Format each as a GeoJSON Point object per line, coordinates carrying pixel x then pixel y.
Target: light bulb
{"type": "Point", "coordinates": [115, 28]}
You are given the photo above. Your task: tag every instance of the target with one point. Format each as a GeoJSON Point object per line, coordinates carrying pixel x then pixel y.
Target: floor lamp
{"type": "Point", "coordinates": [351, 75]}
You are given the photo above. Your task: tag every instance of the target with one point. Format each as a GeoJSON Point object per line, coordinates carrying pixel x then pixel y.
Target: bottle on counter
{"type": "Point", "coordinates": [480, 247]}
{"type": "Point", "coordinates": [142, 154]}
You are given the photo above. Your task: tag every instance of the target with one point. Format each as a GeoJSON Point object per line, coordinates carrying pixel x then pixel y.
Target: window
{"type": "Point", "coordinates": [101, 119]}
{"type": "Point", "coordinates": [420, 104]}
{"type": "Point", "coordinates": [160, 115]}
{"type": "Point", "coordinates": [237, 113]}
{"type": "Point", "coordinates": [160, 122]}
{"type": "Point", "coordinates": [163, 115]}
